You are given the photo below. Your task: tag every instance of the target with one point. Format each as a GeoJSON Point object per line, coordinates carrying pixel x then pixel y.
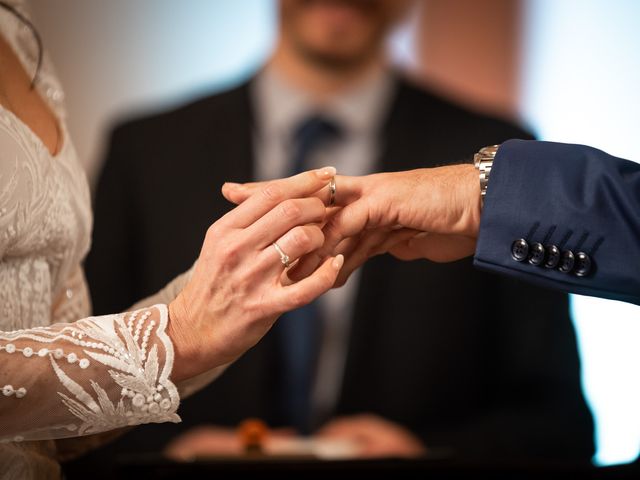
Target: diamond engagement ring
{"type": "Point", "coordinates": [284, 258]}
{"type": "Point", "coordinates": [332, 191]}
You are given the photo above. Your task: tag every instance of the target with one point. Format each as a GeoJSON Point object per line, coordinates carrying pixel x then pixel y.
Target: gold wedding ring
{"type": "Point", "coordinates": [284, 258]}
{"type": "Point", "coordinates": [332, 191]}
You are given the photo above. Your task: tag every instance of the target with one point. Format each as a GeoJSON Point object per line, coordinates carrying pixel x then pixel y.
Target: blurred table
{"type": "Point", "coordinates": [159, 468]}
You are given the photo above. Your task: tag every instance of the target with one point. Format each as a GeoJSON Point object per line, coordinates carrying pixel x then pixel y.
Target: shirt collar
{"type": "Point", "coordinates": [360, 110]}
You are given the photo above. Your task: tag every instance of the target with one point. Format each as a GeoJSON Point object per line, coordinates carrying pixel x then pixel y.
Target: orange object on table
{"type": "Point", "coordinates": [253, 433]}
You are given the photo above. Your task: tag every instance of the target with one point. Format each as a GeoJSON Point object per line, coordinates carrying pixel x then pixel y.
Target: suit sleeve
{"type": "Point", "coordinates": [565, 217]}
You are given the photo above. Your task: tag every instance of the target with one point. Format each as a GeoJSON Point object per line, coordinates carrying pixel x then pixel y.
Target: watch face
{"type": "Point", "coordinates": [490, 151]}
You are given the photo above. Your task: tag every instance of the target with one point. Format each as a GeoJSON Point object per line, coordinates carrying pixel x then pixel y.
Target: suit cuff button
{"type": "Point", "coordinates": [520, 250]}
{"type": "Point", "coordinates": [536, 254]}
{"type": "Point", "coordinates": [553, 256]}
{"type": "Point", "coordinates": [567, 261]}
{"type": "Point", "coordinates": [583, 264]}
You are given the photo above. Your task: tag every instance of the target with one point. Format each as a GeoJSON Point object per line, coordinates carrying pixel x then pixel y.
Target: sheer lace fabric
{"type": "Point", "coordinates": [90, 376]}
{"type": "Point", "coordinates": [63, 373]}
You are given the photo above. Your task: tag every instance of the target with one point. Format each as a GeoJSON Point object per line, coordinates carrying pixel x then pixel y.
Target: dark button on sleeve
{"type": "Point", "coordinates": [567, 260]}
{"type": "Point", "coordinates": [583, 264]}
{"type": "Point", "coordinates": [553, 256]}
{"type": "Point", "coordinates": [536, 254]}
{"type": "Point", "coordinates": [520, 250]}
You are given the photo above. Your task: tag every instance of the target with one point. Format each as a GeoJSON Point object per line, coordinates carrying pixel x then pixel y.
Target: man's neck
{"type": "Point", "coordinates": [318, 81]}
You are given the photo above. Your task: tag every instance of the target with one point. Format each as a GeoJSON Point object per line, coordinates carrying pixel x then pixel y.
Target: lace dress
{"type": "Point", "coordinates": [63, 373]}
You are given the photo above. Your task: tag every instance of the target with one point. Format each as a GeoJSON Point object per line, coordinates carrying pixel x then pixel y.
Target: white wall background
{"type": "Point", "coordinates": [116, 57]}
{"type": "Point", "coordinates": [582, 85]}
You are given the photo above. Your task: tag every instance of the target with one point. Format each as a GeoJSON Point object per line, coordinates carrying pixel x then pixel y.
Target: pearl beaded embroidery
{"type": "Point", "coordinates": [136, 388]}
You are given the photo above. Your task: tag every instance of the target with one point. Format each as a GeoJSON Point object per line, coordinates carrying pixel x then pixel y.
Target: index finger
{"type": "Point", "coordinates": [347, 191]}
{"type": "Point", "coordinates": [269, 194]}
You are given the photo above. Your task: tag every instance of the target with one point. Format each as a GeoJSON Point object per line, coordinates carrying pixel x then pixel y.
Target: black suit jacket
{"type": "Point", "coordinates": [474, 363]}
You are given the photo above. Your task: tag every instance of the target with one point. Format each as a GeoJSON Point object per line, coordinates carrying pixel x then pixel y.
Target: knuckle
{"type": "Point", "coordinates": [298, 298]}
{"type": "Point", "coordinates": [290, 209]}
{"type": "Point", "coordinates": [300, 238]}
{"type": "Point", "coordinates": [230, 252]}
{"type": "Point", "coordinates": [272, 192]}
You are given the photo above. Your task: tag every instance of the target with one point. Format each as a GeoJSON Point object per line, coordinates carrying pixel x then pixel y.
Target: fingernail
{"type": "Point", "coordinates": [231, 185]}
{"type": "Point", "coordinates": [326, 173]}
{"type": "Point", "coordinates": [338, 262]}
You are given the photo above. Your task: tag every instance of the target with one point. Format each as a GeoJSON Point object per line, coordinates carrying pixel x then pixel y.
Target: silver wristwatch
{"type": "Point", "coordinates": [483, 161]}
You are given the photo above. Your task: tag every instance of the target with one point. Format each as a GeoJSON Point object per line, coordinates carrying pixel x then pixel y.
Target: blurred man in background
{"type": "Point", "coordinates": [405, 359]}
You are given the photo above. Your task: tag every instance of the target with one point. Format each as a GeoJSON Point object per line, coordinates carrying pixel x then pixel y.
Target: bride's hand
{"type": "Point", "coordinates": [236, 293]}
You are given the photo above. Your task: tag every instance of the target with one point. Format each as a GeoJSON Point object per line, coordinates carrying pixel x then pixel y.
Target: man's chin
{"type": "Point", "coordinates": [333, 61]}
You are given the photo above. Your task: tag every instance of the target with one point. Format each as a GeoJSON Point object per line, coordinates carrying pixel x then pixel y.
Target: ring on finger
{"type": "Point", "coordinates": [332, 191]}
{"type": "Point", "coordinates": [284, 258]}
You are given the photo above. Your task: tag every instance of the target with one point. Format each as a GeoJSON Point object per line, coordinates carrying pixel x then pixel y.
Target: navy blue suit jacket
{"type": "Point", "coordinates": [575, 197]}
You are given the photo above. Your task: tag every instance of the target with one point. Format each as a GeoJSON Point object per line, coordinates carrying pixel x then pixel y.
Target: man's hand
{"type": "Point", "coordinates": [204, 441]}
{"type": "Point", "coordinates": [374, 436]}
{"type": "Point", "coordinates": [431, 213]}
{"type": "Point", "coordinates": [211, 441]}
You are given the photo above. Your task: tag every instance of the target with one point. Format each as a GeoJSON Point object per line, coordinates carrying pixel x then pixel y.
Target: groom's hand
{"type": "Point", "coordinates": [374, 436]}
{"type": "Point", "coordinates": [426, 213]}
{"type": "Point", "coordinates": [431, 213]}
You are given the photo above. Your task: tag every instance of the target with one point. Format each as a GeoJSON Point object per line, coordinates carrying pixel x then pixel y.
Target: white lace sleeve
{"type": "Point", "coordinates": [90, 376]}
{"type": "Point", "coordinates": [187, 387]}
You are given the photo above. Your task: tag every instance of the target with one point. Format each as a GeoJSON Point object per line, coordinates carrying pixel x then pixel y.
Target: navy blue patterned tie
{"type": "Point", "coordinates": [299, 331]}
